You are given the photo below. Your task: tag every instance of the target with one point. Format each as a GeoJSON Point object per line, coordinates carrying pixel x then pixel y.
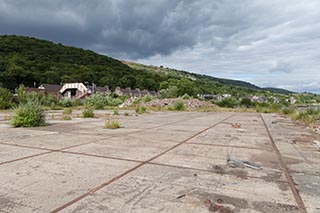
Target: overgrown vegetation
{"type": "Point", "coordinates": [66, 114]}
{"type": "Point", "coordinates": [5, 98]}
{"type": "Point", "coordinates": [179, 105]}
{"type": "Point", "coordinates": [29, 114]}
{"type": "Point", "coordinates": [141, 109]}
{"type": "Point", "coordinates": [99, 101]}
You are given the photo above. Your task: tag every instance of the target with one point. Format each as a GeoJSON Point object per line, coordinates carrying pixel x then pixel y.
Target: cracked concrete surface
{"type": "Point", "coordinates": [159, 162]}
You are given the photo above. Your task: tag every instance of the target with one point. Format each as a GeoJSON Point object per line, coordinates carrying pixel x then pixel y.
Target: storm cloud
{"type": "Point", "coordinates": [269, 43]}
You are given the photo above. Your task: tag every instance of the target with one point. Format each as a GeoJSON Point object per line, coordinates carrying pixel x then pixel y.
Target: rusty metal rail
{"type": "Point", "coordinates": [285, 170]}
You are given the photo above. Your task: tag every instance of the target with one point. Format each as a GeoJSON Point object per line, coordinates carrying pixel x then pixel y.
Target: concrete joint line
{"type": "Point", "coordinates": [134, 168]}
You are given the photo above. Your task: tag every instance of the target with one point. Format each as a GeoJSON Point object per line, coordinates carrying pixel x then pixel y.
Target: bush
{"type": "Point", "coordinates": [147, 98]}
{"type": "Point", "coordinates": [112, 124]}
{"type": "Point", "coordinates": [230, 102]}
{"type": "Point", "coordinates": [5, 98]}
{"type": "Point", "coordinates": [246, 102]}
{"type": "Point", "coordinates": [288, 110]}
{"type": "Point", "coordinates": [76, 102]}
{"type": "Point", "coordinates": [178, 106]}
{"type": "Point", "coordinates": [98, 101]}
{"type": "Point", "coordinates": [88, 112]}
{"type": "Point", "coordinates": [114, 101]}
{"type": "Point", "coordinates": [29, 114]}
{"type": "Point", "coordinates": [141, 109]}
{"type": "Point", "coordinates": [66, 102]}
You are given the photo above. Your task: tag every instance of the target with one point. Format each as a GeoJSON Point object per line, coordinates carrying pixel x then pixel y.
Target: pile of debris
{"type": "Point", "coordinates": [188, 103]}
{"type": "Point", "coordinates": [168, 102]}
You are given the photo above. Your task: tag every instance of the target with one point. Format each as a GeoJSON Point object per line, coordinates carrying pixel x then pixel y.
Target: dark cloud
{"type": "Point", "coordinates": [271, 43]}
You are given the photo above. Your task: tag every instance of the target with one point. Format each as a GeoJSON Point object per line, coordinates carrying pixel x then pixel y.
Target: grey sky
{"type": "Point", "coordinates": [266, 42]}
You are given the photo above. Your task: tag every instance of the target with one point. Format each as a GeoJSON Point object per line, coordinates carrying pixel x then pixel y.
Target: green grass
{"type": "Point", "coordinates": [116, 112]}
{"type": "Point", "coordinates": [179, 106]}
{"type": "Point", "coordinates": [141, 110]}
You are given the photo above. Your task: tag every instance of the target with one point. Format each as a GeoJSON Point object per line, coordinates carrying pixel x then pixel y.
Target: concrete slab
{"type": "Point", "coordinates": [162, 189]}
{"type": "Point", "coordinates": [43, 183]}
{"type": "Point", "coordinates": [9, 153]}
{"type": "Point", "coordinates": [56, 140]}
{"type": "Point", "coordinates": [99, 173]}
{"type": "Point", "coordinates": [126, 148]}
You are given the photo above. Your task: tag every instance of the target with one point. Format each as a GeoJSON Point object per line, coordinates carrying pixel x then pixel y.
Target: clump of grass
{"type": "Point", "coordinates": [308, 117]}
{"type": "Point", "coordinates": [179, 106]}
{"type": "Point", "coordinates": [126, 114]}
{"type": "Point", "coordinates": [67, 111]}
{"type": "Point", "coordinates": [88, 112]}
{"type": "Point", "coordinates": [112, 124]}
{"type": "Point", "coordinates": [29, 114]}
{"type": "Point", "coordinates": [141, 110]}
{"type": "Point", "coordinates": [116, 112]}
{"type": "Point", "coordinates": [288, 110]}
{"type": "Point", "coordinates": [52, 116]}
{"type": "Point", "coordinates": [66, 117]}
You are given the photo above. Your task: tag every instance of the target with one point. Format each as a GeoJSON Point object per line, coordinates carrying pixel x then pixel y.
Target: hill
{"type": "Point", "coordinates": [182, 73]}
{"type": "Point", "coordinates": [26, 60]}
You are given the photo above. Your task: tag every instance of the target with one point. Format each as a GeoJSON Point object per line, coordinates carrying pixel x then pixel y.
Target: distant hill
{"type": "Point", "coordinates": [26, 60]}
{"type": "Point", "coordinates": [229, 82]}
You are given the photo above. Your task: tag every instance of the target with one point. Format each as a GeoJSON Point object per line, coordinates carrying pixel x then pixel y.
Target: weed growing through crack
{"type": "Point", "coordinates": [114, 124]}
{"type": "Point", "coordinates": [141, 110]}
{"type": "Point", "coordinates": [88, 112]}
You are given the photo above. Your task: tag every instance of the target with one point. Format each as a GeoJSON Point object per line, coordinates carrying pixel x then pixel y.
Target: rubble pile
{"type": "Point", "coordinates": [169, 102]}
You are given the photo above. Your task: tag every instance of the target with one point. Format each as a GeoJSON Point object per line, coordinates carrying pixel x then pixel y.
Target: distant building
{"type": "Point", "coordinates": [47, 89]}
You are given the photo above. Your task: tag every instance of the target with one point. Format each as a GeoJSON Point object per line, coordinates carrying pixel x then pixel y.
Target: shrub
{"type": "Point", "coordinates": [29, 114]}
{"type": "Point", "coordinates": [147, 98]}
{"type": "Point", "coordinates": [114, 101]}
{"type": "Point", "coordinates": [97, 100]}
{"type": "Point", "coordinates": [141, 109]}
{"type": "Point", "coordinates": [288, 110]}
{"type": "Point", "coordinates": [178, 106]}
{"type": "Point", "coordinates": [246, 102]}
{"type": "Point", "coordinates": [112, 124]}
{"type": "Point", "coordinates": [65, 102]}
{"type": "Point", "coordinates": [230, 102]}
{"type": "Point", "coordinates": [5, 98]}
{"type": "Point", "coordinates": [88, 112]}
{"type": "Point", "coordinates": [77, 102]}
